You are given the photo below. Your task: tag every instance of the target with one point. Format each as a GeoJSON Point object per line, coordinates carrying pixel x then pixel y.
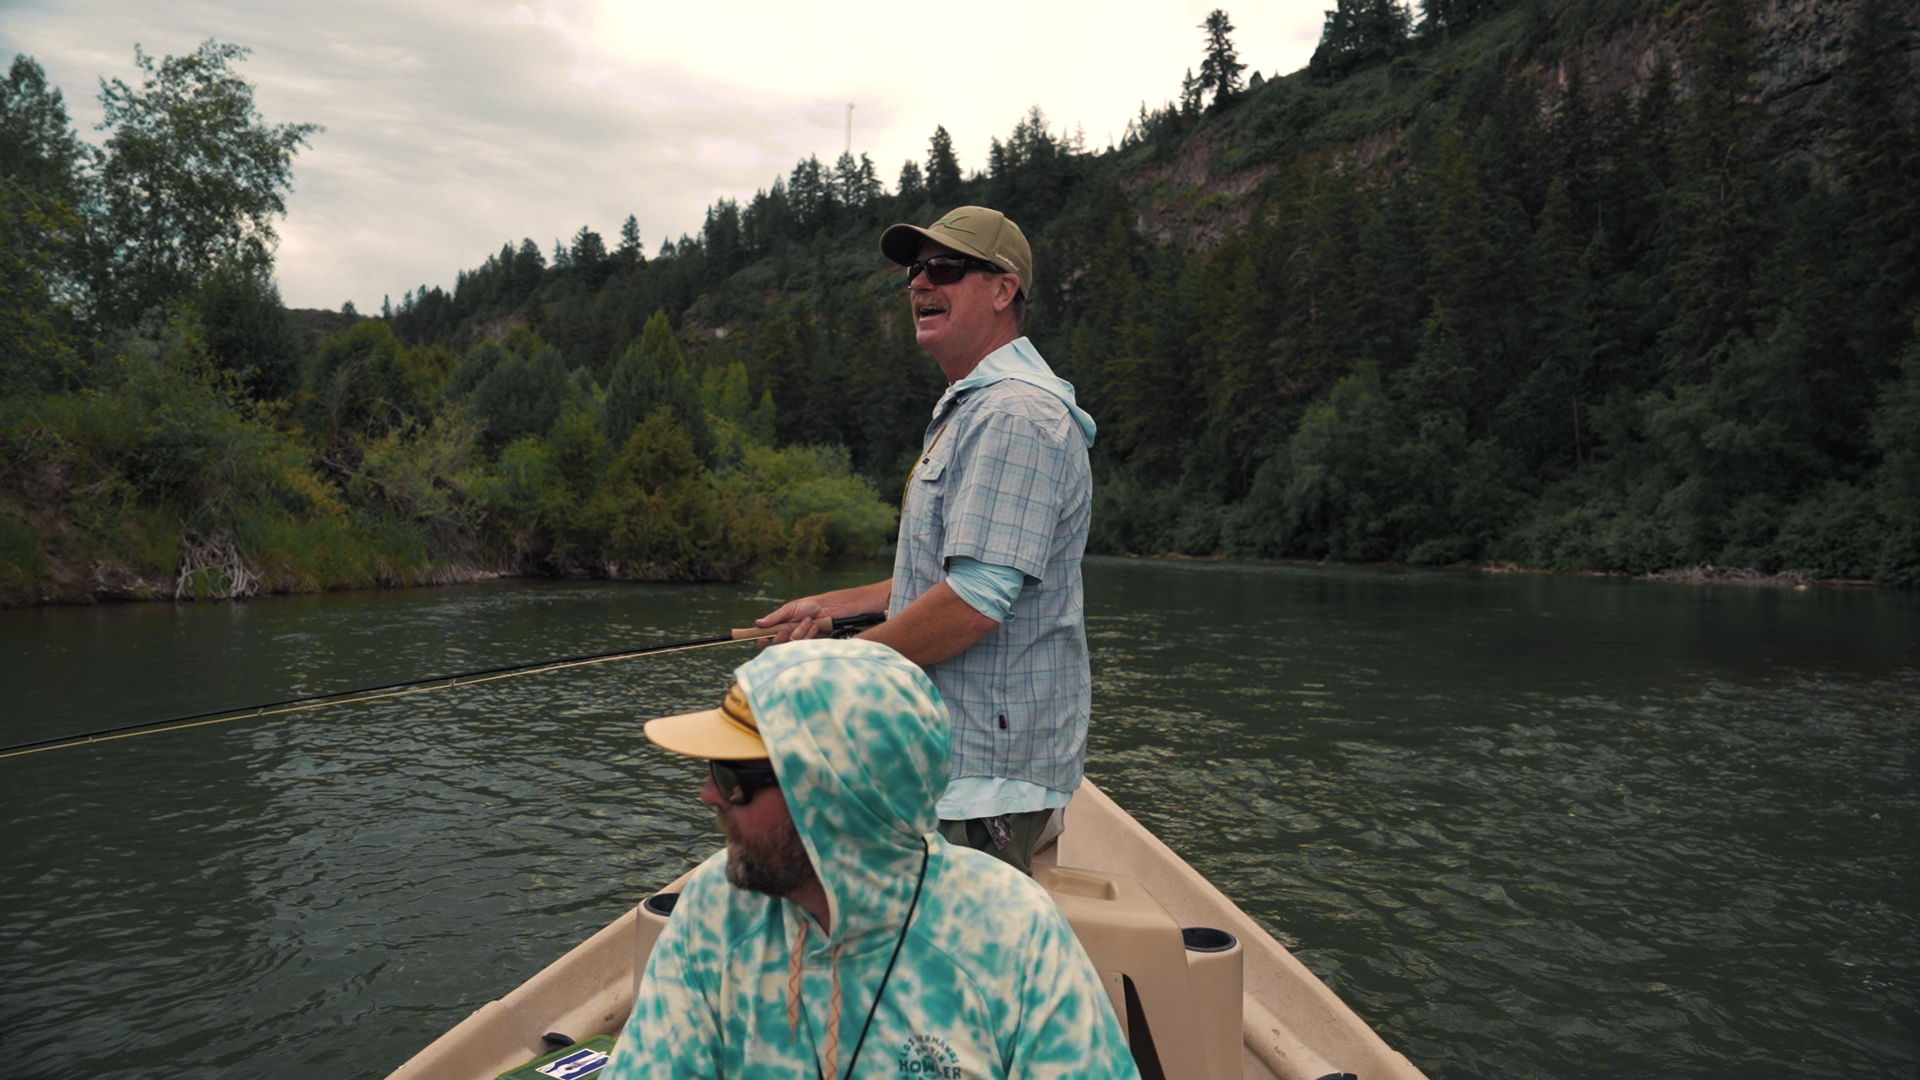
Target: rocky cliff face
{"type": "Point", "coordinates": [1803, 44]}
{"type": "Point", "coordinates": [1800, 47]}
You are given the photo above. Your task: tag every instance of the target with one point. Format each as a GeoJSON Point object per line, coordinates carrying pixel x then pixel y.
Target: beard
{"type": "Point", "coordinates": [776, 865]}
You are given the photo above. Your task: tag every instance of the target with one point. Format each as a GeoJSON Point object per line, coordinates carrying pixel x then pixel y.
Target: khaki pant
{"type": "Point", "coordinates": [976, 833]}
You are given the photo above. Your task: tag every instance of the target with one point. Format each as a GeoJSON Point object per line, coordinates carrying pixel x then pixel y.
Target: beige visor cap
{"type": "Point", "coordinates": [728, 733]}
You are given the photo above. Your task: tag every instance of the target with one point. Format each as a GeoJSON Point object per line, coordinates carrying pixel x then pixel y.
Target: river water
{"type": "Point", "coordinates": [1526, 826]}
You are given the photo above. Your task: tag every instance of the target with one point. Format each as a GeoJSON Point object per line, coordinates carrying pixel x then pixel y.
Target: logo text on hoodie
{"type": "Point", "coordinates": [930, 1056]}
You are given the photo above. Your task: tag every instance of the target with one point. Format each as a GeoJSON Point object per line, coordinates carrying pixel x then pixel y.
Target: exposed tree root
{"type": "Point", "coordinates": [211, 568]}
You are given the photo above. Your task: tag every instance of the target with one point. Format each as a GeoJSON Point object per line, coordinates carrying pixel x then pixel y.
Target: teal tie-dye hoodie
{"type": "Point", "coordinates": [990, 980]}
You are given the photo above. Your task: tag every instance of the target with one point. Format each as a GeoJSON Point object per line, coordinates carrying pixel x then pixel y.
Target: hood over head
{"type": "Point", "coordinates": [858, 736]}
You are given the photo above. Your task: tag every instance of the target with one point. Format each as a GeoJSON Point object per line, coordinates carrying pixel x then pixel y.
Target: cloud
{"type": "Point", "coordinates": [453, 126]}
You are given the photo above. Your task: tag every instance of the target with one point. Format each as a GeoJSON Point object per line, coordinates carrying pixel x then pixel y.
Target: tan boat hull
{"type": "Point", "coordinates": [1292, 1027]}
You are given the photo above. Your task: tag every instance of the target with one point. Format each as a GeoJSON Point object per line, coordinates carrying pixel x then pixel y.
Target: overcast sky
{"type": "Point", "coordinates": [453, 126]}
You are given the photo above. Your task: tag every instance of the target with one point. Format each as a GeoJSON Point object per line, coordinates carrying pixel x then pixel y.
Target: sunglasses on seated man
{"type": "Point", "coordinates": [947, 269]}
{"type": "Point", "coordinates": [738, 780]}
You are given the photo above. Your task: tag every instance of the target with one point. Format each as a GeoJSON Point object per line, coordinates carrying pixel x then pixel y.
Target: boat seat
{"type": "Point", "coordinates": [1178, 993]}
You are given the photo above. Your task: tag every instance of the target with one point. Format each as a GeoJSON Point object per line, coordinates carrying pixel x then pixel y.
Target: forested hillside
{"type": "Point", "coordinates": [1596, 285]}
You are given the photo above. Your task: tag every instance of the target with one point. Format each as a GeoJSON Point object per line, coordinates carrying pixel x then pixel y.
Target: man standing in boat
{"type": "Point", "coordinates": [986, 592]}
{"type": "Point", "coordinates": [837, 927]}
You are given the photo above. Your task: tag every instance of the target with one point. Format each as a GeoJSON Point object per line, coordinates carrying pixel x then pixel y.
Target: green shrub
{"type": "Point", "coordinates": [667, 520]}
{"type": "Point", "coordinates": [248, 330]}
{"type": "Point", "coordinates": [304, 555]}
{"type": "Point", "coordinates": [360, 385]}
{"type": "Point", "coordinates": [474, 367]}
{"type": "Point", "coordinates": [1131, 518]}
{"type": "Point", "coordinates": [1835, 532]}
{"type": "Point", "coordinates": [818, 481]}
{"type": "Point", "coordinates": [520, 397]}
{"type": "Point", "coordinates": [21, 563]}
{"type": "Point", "coordinates": [515, 486]}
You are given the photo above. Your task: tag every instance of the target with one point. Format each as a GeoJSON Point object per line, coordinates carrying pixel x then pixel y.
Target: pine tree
{"type": "Point", "coordinates": [1191, 92]}
{"type": "Point", "coordinates": [913, 187]}
{"type": "Point", "coordinates": [629, 252]}
{"type": "Point", "coordinates": [856, 182]}
{"type": "Point", "coordinates": [1220, 71]}
{"type": "Point", "coordinates": [783, 343]}
{"type": "Point", "coordinates": [1356, 33]}
{"type": "Point", "coordinates": [651, 375]}
{"type": "Point", "coordinates": [529, 266]}
{"type": "Point", "coordinates": [659, 503]}
{"type": "Point", "coordinates": [588, 251]}
{"type": "Point", "coordinates": [520, 396]}
{"type": "Point", "coordinates": [1542, 419]}
{"type": "Point", "coordinates": [1242, 406]}
{"type": "Point", "coordinates": [943, 169]}
{"type": "Point", "coordinates": [811, 192]}
{"type": "Point", "coordinates": [1108, 331]}
{"type": "Point", "coordinates": [768, 222]}
{"type": "Point", "coordinates": [846, 180]}
{"type": "Point", "coordinates": [1882, 186]}
{"type": "Point", "coordinates": [721, 239]}
{"type": "Point", "coordinates": [1717, 215]}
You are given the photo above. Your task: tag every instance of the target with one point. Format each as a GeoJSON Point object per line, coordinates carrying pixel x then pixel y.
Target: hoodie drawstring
{"type": "Point", "coordinates": [794, 972]}
{"type": "Point", "coordinates": [833, 1028]}
{"type": "Point", "coordinates": [833, 1017]}
{"type": "Point", "coordinates": [793, 982]}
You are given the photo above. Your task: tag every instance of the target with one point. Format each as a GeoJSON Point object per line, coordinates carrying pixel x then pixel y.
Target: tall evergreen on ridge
{"type": "Point", "coordinates": [1220, 71]}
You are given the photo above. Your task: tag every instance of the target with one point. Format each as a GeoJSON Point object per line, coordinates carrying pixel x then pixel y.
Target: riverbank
{"type": "Point", "coordinates": [221, 575]}
{"type": "Point", "coordinates": [1704, 574]}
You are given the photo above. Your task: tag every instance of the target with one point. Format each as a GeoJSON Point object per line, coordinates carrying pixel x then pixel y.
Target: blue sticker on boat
{"type": "Point", "coordinates": [575, 1065]}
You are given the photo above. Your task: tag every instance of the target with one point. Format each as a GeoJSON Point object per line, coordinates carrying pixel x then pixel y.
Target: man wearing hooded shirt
{"type": "Point", "coordinates": [986, 592]}
{"type": "Point", "coordinates": [837, 934]}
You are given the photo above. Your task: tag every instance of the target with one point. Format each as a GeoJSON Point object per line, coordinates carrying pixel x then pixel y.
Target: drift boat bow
{"type": "Point", "coordinates": [1203, 991]}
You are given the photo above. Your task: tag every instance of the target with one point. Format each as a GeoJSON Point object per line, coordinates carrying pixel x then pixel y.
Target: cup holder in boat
{"type": "Point", "coordinates": [1206, 939]}
{"type": "Point", "coordinates": [661, 904]}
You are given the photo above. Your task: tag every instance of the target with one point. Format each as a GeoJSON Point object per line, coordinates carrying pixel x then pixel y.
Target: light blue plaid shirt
{"type": "Point", "coordinates": [1003, 478]}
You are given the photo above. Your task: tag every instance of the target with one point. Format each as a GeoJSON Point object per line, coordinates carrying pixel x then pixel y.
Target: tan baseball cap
{"type": "Point", "coordinates": [969, 230]}
{"type": "Point", "coordinates": [728, 733]}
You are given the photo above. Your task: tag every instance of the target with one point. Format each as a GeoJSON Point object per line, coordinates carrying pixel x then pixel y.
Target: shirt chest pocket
{"type": "Point", "coordinates": [926, 492]}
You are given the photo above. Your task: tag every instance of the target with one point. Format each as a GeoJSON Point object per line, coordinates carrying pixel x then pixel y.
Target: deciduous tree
{"type": "Point", "coordinates": [42, 237]}
{"type": "Point", "coordinates": [193, 177]}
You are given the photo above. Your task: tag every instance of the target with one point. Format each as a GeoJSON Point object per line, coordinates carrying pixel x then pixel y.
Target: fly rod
{"type": "Point", "coordinates": [840, 627]}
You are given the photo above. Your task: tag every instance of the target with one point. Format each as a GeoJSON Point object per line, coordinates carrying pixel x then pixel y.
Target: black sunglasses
{"type": "Point", "coordinates": [738, 781]}
{"type": "Point", "coordinates": [947, 269]}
